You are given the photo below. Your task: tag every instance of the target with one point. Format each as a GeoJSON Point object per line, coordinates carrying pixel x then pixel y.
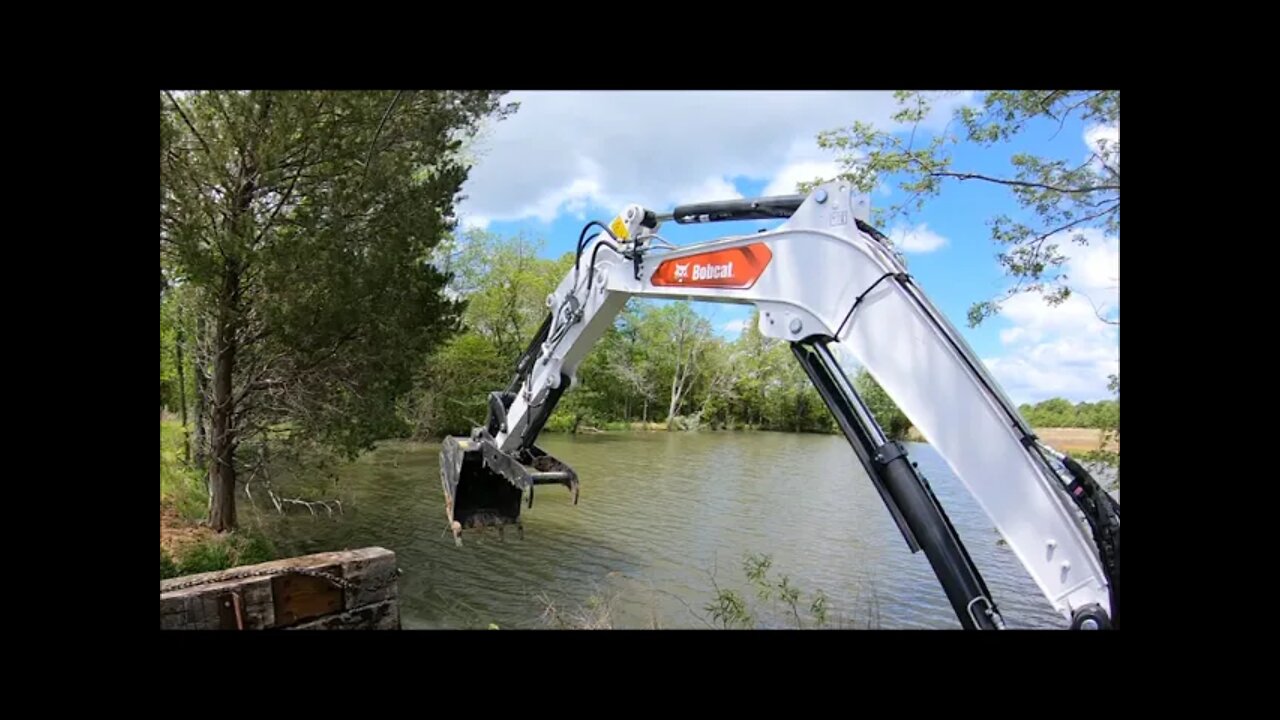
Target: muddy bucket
{"type": "Point", "coordinates": [484, 487]}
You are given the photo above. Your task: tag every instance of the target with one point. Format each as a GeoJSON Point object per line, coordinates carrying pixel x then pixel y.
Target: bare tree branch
{"type": "Point", "coordinates": [310, 505]}
{"type": "Point", "coordinates": [1022, 183]}
{"type": "Point", "coordinates": [1098, 310]}
{"type": "Point", "coordinates": [284, 199]}
{"type": "Point", "coordinates": [369, 158]}
{"type": "Point", "coordinates": [1041, 238]}
{"type": "Point", "coordinates": [187, 120]}
{"type": "Point", "coordinates": [1103, 162]}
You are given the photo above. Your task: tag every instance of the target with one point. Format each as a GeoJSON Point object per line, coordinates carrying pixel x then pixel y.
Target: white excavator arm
{"type": "Point", "coordinates": [824, 276]}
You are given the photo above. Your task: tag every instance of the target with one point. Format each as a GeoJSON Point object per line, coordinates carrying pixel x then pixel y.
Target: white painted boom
{"type": "Point", "coordinates": [821, 278]}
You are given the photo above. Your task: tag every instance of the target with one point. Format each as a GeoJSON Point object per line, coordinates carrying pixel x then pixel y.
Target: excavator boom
{"type": "Point", "coordinates": [824, 280]}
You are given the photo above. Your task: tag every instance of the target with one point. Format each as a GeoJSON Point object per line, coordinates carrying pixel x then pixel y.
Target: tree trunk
{"type": "Point", "coordinates": [202, 388]}
{"type": "Point", "coordinates": [645, 415]}
{"type": "Point", "coordinates": [222, 500]}
{"type": "Point", "coordinates": [182, 395]}
{"type": "Point", "coordinates": [675, 397]}
{"type": "Point", "coordinates": [222, 477]}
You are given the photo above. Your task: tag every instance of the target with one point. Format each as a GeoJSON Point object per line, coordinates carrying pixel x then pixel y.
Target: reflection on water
{"type": "Point", "coordinates": [664, 519]}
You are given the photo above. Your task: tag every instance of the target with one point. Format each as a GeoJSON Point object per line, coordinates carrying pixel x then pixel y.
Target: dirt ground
{"type": "Point", "coordinates": [1069, 440]}
{"type": "Point", "coordinates": [176, 533]}
{"type": "Point", "coordinates": [1075, 439]}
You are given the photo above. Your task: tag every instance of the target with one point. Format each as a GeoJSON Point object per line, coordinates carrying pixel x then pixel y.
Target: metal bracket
{"type": "Point", "coordinates": [989, 610]}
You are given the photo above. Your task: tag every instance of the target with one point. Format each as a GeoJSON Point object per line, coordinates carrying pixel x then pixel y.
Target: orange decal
{"type": "Point", "coordinates": [737, 268]}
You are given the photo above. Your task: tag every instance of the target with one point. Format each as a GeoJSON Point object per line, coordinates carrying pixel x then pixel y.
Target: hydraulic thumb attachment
{"type": "Point", "coordinates": [483, 485]}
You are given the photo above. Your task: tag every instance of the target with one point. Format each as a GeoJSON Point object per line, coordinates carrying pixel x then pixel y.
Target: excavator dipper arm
{"type": "Point", "coordinates": [823, 279]}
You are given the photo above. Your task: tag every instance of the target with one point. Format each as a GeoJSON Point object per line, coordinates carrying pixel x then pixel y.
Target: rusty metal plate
{"type": "Point", "coordinates": [302, 597]}
{"type": "Point", "coordinates": [227, 612]}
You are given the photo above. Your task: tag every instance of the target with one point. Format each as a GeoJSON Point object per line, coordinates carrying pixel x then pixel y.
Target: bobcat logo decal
{"type": "Point", "coordinates": [736, 267]}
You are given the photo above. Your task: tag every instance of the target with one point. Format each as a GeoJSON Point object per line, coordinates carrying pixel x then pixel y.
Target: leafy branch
{"type": "Point", "coordinates": [1057, 197]}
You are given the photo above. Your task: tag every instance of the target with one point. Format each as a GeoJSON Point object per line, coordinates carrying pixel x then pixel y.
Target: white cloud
{"type": "Point", "coordinates": [474, 222]}
{"type": "Point", "coordinates": [917, 239]}
{"type": "Point", "coordinates": [562, 150]}
{"type": "Point", "coordinates": [1069, 350]}
{"type": "Point", "coordinates": [788, 179]}
{"type": "Point", "coordinates": [1030, 382]}
{"type": "Point", "coordinates": [734, 326]}
{"type": "Point", "coordinates": [1104, 141]}
{"type": "Point", "coordinates": [1065, 350]}
{"type": "Point", "coordinates": [712, 188]}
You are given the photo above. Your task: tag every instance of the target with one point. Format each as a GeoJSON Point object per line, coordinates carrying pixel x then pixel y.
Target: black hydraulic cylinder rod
{"type": "Point", "coordinates": [765, 208]}
{"type": "Point", "coordinates": [857, 433]}
{"type": "Point", "coordinates": [955, 570]}
{"type": "Point", "coordinates": [530, 354]}
{"type": "Point", "coordinates": [905, 492]}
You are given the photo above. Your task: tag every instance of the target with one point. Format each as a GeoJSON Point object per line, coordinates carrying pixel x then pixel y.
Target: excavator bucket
{"type": "Point", "coordinates": [484, 487]}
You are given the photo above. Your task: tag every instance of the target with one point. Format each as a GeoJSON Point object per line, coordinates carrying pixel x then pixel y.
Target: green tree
{"type": "Point", "coordinates": [890, 419]}
{"type": "Point", "coordinates": [1060, 197]}
{"type": "Point", "coordinates": [1107, 418]}
{"type": "Point", "coordinates": [506, 285]}
{"type": "Point", "coordinates": [1054, 412]}
{"type": "Point", "coordinates": [791, 402]}
{"type": "Point", "coordinates": [628, 361]}
{"type": "Point", "coordinates": [179, 381]}
{"type": "Point", "coordinates": [750, 383]}
{"type": "Point", "coordinates": [503, 283]}
{"type": "Point", "coordinates": [716, 390]}
{"type": "Point", "coordinates": [1113, 426]}
{"type": "Point", "coordinates": [453, 388]}
{"type": "Point", "coordinates": [307, 219]}
{"type": "Point", "coordinates": [677, 339]}
{"type": "Point", "coordinates": [168, 357]}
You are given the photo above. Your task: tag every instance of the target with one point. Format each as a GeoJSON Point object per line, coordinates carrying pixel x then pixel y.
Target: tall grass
{"type": "Point", "coordinates": [180, 484]}
{"type": "Point", "coordinates": [182, 489]}
{"type": "Point", "coordinates": [778, 599]}
{"type": "Point", "coordinates": [217, 553]}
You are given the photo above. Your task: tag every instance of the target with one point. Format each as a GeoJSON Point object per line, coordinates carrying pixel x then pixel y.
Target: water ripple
{"type": "Point", "coordinates": [659, 513]}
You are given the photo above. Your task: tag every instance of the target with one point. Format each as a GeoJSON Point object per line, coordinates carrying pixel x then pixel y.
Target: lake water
{"type": "Point", "coordinates": [664, 520]}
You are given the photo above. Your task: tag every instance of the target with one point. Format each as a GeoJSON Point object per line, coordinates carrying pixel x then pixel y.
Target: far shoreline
{"type": "Point", "coordinates": [1063, 439]}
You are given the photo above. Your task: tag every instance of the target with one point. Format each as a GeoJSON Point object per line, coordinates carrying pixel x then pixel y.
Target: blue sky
{"type": "Point", "coordinates": [568, 157]}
